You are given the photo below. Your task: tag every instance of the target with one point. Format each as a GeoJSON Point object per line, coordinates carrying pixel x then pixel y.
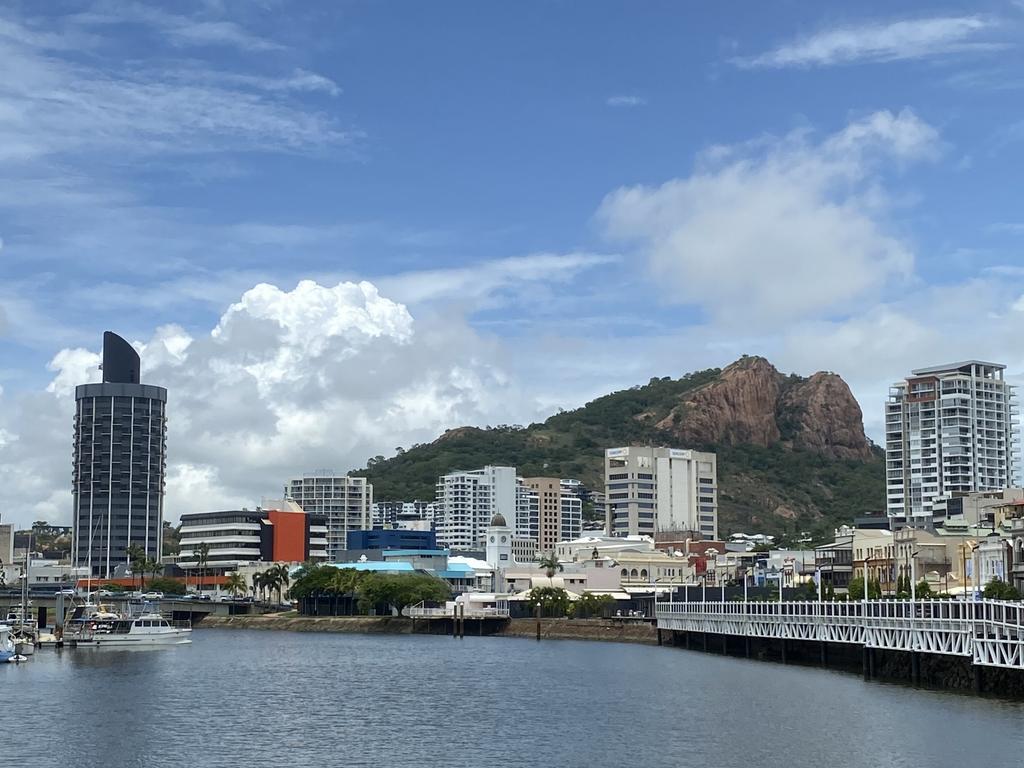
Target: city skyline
{"type": "Point", "coordinates": [325, 253]}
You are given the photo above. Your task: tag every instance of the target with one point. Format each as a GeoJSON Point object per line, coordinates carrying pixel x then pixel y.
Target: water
{"type": "Point", "coordinates": [239, 698]}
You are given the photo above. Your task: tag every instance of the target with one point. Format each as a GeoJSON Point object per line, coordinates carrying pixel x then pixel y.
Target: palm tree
{"type": "Point", "coordinates": [283, 579]}
{"type": "Point", "coordinates": [550, 564]}
{"type": "Point", "coordinates": [136, 558]}
{"type": "Point", "coordinates": [235, 583]}
{"type": "Point", "coordinates": [202, 553]}
{"type": "Point", "coordinates": [271, 580]}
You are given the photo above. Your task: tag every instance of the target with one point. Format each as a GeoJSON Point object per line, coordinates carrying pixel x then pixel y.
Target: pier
{"type": "Point", "coordinates": [982, 634]}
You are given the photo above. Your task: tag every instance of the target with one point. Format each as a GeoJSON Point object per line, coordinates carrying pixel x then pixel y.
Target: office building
{"type": "Point", "coordinates": [466, 502]}
{"type": "Point", "coordinates": [277, 531]}
{"type": "Point", "coordinates": [558, 509]}
{"type": "Point", "coordinates": [661, 491]}
{"type": "Point", "coordinates": [346, 503]}
{"type": "Point", "coordinates": [391, 538]}
{"type": "Point", "coordinates": [949, 430]}
{"type": "Point", "coordinates": [407, 515]}
{"type": "Point", "coordinates": [119, 462]}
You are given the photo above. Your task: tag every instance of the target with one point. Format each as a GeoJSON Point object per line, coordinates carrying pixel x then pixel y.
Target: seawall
{"type": "Point", "coordinates": [605, 630]}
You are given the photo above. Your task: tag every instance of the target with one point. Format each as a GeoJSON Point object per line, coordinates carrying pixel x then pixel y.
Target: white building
{"type": "Point", "coordinates": [652, 491]}
{"type": "Point", "coordinates": [404, 515]}
{"type": "Point", "coordinates": [346, 502]}
{"type": "Point", "coordinates": [949, 430]}
{"type": "Point", "coordinates": [466, 502]}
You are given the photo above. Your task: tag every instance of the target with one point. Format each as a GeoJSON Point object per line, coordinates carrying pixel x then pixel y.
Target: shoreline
{"type": "Point", "coordinates": [597, 630]}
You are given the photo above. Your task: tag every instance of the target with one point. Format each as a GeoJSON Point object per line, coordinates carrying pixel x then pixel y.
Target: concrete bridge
{"type": "Point", "coordinates": [985, 633]}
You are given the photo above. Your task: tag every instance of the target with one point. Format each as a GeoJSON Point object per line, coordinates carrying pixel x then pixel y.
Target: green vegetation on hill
{"type": "Point", "coordinates": [774, 490]}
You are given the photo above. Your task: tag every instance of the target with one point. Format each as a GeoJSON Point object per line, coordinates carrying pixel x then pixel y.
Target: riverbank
{"type": "Point", "coordinates": [604, 630]}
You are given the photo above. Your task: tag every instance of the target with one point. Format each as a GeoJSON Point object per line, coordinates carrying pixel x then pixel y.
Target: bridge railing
{"type": "Point", "coordinates": [991, 632]}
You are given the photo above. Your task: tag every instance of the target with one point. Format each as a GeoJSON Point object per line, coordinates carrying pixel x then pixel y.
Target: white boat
{"type": "Point", "coordinates": [145, 629]}
{"type": "Point", "coordinates": [6, 646]}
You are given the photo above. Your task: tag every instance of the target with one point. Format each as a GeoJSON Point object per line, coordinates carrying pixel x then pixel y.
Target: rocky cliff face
{"type": "Point", "coordinates": [752, 403]}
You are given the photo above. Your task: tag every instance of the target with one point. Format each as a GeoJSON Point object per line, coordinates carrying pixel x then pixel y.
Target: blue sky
{"type": "Point", "coordinates": [548, 201]}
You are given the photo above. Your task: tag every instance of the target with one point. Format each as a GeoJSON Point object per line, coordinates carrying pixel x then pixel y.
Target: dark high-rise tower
{"type": "Point", "coordinates": [119, 462]}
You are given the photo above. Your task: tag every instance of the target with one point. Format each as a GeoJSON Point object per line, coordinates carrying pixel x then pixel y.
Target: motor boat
{"type": "Point", "coordinates": [144, 629]}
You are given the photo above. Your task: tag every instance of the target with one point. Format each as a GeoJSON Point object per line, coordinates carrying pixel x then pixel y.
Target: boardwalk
{"type": "Point", "coordinates": [988, 632]}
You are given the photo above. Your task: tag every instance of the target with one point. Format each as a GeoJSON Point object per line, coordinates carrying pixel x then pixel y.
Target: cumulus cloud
{"type": "Point", "coordinates": [880, 42]}
{"type": "Point", "coordinates": [776, 229]}
{"type": "Point", "coordinates": [287, 380]}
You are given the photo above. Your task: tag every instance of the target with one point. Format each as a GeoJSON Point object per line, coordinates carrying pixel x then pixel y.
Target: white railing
{"type": "Point", "coordinates": [990, 632]}
{"type": "Point", "coordinates": [419, 612]}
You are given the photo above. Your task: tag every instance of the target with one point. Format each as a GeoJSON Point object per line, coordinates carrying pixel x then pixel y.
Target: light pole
{"type": "Point", "coordinates": [913, 576]}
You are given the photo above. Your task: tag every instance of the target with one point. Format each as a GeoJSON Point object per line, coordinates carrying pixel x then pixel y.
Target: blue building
{"type": "Point", "coordinates": [391, 539]}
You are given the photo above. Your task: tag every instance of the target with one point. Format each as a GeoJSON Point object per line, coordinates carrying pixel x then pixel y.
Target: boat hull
{"type": "Point", "coordinates": [178, 637]}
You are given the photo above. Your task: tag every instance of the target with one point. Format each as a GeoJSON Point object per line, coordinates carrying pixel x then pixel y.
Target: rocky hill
{"type": "Point", "coordinates": [792, 454]}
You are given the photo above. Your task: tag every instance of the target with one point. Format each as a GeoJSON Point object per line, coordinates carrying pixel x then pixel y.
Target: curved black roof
{"type": "Point", "coordinates": [121, 362]}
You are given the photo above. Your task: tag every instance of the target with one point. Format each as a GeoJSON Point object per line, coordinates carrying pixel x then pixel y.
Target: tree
{"type": "Point", "coordinates": [550, 564]}
{"type": "Point", "coordinates": [281, 577]}
{"type": "Point", "coordinates": [590, 605]}
{"type": "Point", "coordinates": [997, 589]}
{"type": "Point", "coordinates": [235, 583]}
{"type": "Point", "coordinates": [400, 590]}
{"type": "Point", "coordinates": [270, 580]}
{"type": "Point", "coordinates": [136, 556]}
{"type": "Point", "coordinates": [202, 554]}
{"type": "Point", "coordinates": [923, 590]}
{"type": "Point", "coordinates": [553, 601]}
{"type": "Point", "coordinates": [167, 585]}
{"type": "Point", "coordinates": [856, 588]}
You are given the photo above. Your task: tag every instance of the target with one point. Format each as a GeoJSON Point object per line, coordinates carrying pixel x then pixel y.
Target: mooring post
{"type": "Point", "coordinates": [746, 647]}
{"type": "Point", "coordinates": [915, 668]}
{"type": "Point", "coordinates": [784, 659]}
{"type": "Point", "coordinates": [864, 662]}
{"type": "Point", "coordinates": [824, 653]}
{"type": "Point", "coordinates": [871, 662]}
{"type": "Point", "coordinates": [978, 682]}
{"type": "Point", "coordinates": [455, 621]}
{"type": "Point", "coordinates": [659, 636]}
{"type": "Point", "coordinates": [537, 612]}
{"type": "Point", "coordinates": [687, 636]}
{"type": "Point", "coordinates": [462, 621]}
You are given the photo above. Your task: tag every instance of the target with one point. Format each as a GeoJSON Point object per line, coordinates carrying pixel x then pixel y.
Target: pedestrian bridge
{"type": "Point", "coordinates": [988, 632]}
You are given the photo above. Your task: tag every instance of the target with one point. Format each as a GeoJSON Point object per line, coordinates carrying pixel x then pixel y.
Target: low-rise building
{"type": "Point", "coordinates": [391, 538]}
{"type": "Point", "coordinates": [278, 531]}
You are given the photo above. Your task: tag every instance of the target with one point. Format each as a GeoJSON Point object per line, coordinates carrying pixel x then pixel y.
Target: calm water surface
{"type": "Point", "coordinates": [237, 698]}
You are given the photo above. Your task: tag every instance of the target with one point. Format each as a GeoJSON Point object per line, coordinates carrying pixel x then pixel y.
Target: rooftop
{"type": "Point", "coordinates": [950, 367]}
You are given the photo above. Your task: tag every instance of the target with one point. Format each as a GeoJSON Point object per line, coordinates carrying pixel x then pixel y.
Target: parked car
{"type": "Point", "coordinates": [107, 593]}
{"type": "Point", "coordinates": [152, 595]}
{"type": "Point", "coordinates": [66, 591]}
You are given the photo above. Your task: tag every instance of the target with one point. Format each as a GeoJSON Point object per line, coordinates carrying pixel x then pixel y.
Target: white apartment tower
{"type": "Point", "coordinates": [346, 502]}
{"type": "Point", "coordinates": [466, 502]}
{"type": "Point", "coordinates": [661, 490]}
{"type": "Point", "coordinates": [949, 430]}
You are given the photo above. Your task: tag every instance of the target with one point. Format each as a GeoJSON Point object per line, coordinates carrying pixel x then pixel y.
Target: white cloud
{"type": "Point", "coordinates": [778, 229]}
{"type": "Point", "coordinates": [55, 105]}
{"type": "Point", "coordinates": [286, 381]}
{"type": "Point", "coordinates": [626, 101]}
{"type": "Point", "coordinates": [177, 28]}
{"type": "Point", "coordinates": [482, 283]}
{"type": "Point", "coordinates": [882, 41]}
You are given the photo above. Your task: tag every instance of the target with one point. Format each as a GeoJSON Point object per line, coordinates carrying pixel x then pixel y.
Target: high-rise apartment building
{"type": "Point", "coordinates": [346, 503]}
{"type": "Point", "coordinates": [652, 491]}
{"type": "Point", "coordinates": [466, 502]}
{"type": "Point", "coordinates": [949, 430]}
{"type": "Point", "coordinates": [409, 515]}
{"type": "Point", "coordinates": [559, 511]}
{"type": "Point", "coordinates": [119, 463]}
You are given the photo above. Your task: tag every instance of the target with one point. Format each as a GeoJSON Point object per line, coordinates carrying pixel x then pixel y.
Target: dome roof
{"type": "Point", "coordinates": [498, 521]}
